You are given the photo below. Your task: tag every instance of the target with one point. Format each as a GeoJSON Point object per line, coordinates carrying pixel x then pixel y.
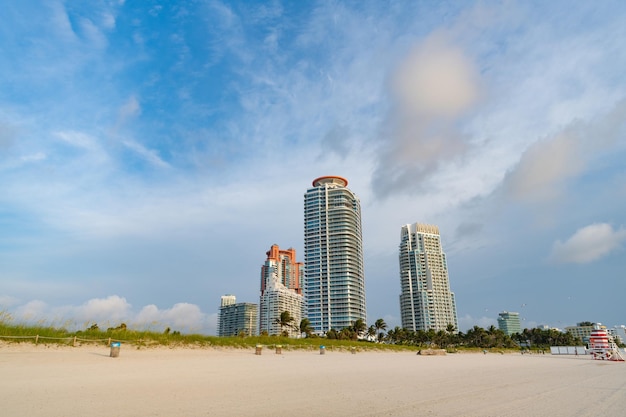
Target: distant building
{"type": "Point", "coordinates": [235, 318]}
{"type": "Point", "coordinates": [619, 333]}
{"type": "Point", "coordinates": [275, 300]}
{"type": "Point", "coordinates": [280, 291]}
{"type": "Point", "coordinates": [583, 330]}
{"type": "Point", "coordinates": [426, 301]}
{"type": "Point", "coordinates": [227, 300]}
{"type": "Point", "coordinates": [333, 255]}
{"type": "Point", "coordinates": [282, 264]}
{"type": "Point", "coordinates": [509, 322]}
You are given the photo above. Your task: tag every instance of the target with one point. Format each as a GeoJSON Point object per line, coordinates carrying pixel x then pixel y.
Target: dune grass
{"type": "Point", "coordinates": [41, 333]}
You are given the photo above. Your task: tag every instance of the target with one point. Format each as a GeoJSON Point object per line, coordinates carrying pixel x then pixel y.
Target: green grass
{"type": "Point", "coordinates": [20, 333]}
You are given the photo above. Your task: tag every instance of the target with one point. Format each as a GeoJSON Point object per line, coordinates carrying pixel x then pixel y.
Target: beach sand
{"type": "Point", "coordinates": [38, 380]}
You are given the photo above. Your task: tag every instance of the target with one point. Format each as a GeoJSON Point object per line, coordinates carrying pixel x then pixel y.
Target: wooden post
{"type": "Point", "coordinates": [36, 339]}
{"type": "Point", "coordinates": [74, 342]}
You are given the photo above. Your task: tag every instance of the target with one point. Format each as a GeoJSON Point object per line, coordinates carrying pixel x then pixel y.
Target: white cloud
{"type": "Point", "coordinates": [435, 86]}
{"type": "Point", "coordinates": [182, 316]}
{"type": "Point", "coordinates": [31, 311]}
{"type": "Point", "coordinates": [130, 109]}
{"type": "Point", "coordinates": [7, 301]}
{"type": "Point", "coordinates": [588, 244]}
{"type": "Point", "coordinates": [546, 165]}
{"type": "Point", "coordinates": [149, 155]}
{"type": "Point", "coordinates": [39, 156]}
{"type": "Point", "coordinates": [112, 311]}
{"type": "Point", "coordinates": [437, 79]}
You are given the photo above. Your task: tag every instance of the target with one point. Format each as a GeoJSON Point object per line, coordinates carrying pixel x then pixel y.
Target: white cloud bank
{"type": "Point", "coordinates": [588, 244]}
{"type": "Point", "coordinates": [111, 312]}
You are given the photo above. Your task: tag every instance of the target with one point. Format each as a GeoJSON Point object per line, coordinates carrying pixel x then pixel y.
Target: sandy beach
{"type": "Point", "coordinates": [38, 380]}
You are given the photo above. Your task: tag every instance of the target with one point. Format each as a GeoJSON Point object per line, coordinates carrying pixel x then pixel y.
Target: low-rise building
{"type": "Point", "coordinates": [237, 318]}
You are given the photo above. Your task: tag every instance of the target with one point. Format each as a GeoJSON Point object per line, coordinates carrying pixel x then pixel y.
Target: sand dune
{"type": "Point", "coordinates": [85, 381]}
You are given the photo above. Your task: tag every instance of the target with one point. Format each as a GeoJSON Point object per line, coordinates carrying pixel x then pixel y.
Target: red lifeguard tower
{"type": "Point", "coordinates": [602, 347]}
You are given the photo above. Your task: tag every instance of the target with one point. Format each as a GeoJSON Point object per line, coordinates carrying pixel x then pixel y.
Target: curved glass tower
{"type": "Point", "coordinates": [333, 255]}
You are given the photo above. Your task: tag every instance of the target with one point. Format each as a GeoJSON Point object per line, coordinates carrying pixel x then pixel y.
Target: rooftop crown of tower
{"type": "Point", "coordinates": [330, 179]}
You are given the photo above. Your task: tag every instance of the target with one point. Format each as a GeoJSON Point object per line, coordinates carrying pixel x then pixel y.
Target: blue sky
{"type": "Point", "coordinates": [151, 153]}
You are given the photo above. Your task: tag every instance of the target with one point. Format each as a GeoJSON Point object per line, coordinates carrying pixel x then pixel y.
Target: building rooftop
{"type": "Point", "coordinates": [330, 179]}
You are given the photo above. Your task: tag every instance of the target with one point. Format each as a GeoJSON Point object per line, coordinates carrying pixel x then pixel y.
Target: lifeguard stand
{"type": "Point", "coordinates": [602, 347]}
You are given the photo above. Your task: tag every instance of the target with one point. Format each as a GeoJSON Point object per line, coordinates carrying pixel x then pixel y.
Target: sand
{"type": "Point", "coordinates": [86, 381]}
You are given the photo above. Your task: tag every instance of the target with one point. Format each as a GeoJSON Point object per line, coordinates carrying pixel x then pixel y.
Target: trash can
{"type": "Point", "coordinates": [353, 350]}
{"type": "Point", "coordinates": [258, 350]}
{"type": "Point", "coordinates": [279, 349]}
{"type": "Point", "coordinates": [322, 349]}
{"type": "Point", "coordinates": [115, 349]}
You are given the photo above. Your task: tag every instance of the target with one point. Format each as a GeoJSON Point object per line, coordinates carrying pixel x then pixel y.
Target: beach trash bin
{"type": "Point", "coordinates": [279, 349]}
{"type": "Point", "coordinates": [322, 349]}
{"type": "Point", "coordinates": [258, 350]}
{"type": "Point", "coordinates": [353, 350]}
{"type": "Point", "coordinates": [115, 349]}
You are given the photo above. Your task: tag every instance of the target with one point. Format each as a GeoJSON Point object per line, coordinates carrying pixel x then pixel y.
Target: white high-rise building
{"type": "Point", "coordinates": [280, 291]}
{"type": "Point", "coordinates": [333, 255]}
{"type": "Point", "coordinates": [275, 300]}
{"type": "Point", "coordinates": [426, 301]}
{"type": "Point", "coordinates": [237, 318]}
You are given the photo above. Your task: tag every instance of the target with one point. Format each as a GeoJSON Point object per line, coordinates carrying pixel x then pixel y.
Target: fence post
{"type": "Point", "coordinates": [74, 342]}
{"type": "Point", "coordinates": [109, 341]}
{"type": "Point", "coordinates": [36, 339]}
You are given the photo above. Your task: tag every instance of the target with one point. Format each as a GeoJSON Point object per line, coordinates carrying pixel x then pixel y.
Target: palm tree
{"type": "Point", "coordinates": [285, 320]}
{"type": "Point", "coordinates": [451, 330]}
{"type": "Point", "coordinates": [305, 327]}
{"type": "Point", "coordinates": [359, 327]}
{"type": "Point", "coordinates": [380, 325]}
{"type": "Point", "coordinates": [371, 332]}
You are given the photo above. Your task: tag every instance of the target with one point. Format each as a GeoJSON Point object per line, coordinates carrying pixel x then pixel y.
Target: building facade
{"type": "Point", "coordinates": [509, 322]}
{"type": "Point", "coordinates": [275, 300]}
{"type": "Point", "coordinates": [426, 301]}
{"type": "Point", "coordinates": [282, 264]}
{"type": "Point", "coordinates": [281, 291]}
{"type": "Point", "coordinates": [235, 318]}
{"type": "Point", "coordinates": [583, 330]}
{"type": "Point", "coordinates": [333, 255]}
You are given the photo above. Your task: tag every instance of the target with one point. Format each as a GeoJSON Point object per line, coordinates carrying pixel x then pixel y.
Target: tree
{"type": "Point", "coordinates": [305, 327]}
{"type": "Point", "coordinates": [371, 332]}
{"type": "Point", "coordinates": [380, 325]}
{"type": "Point", "coordinates": [285, 320]}
{"type": "Point", "coordinates": [359, 327]}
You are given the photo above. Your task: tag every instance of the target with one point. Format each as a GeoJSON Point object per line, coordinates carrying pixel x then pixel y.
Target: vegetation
{"type": "Point", "coordinates": [285, 320]}
{"type": "Point", "coordinates": [477, 337]}
{"type": "Point", "coordinates": [305, 327]}
{"type": "Point", "coordinates": [357, 335]}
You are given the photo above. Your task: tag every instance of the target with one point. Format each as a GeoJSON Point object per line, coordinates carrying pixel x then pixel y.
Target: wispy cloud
{"type": "Point", "coordinates": [589, 244]}
{"type": "Point", "coordinates": [433, 89]}
{"type": "Point", "coordinates": [548, 165]}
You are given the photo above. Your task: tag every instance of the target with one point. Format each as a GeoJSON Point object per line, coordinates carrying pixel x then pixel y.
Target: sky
{"type": "Point", "coordinates": [152, 152]}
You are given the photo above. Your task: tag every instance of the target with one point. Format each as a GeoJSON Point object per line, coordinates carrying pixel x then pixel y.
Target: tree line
{"type": "Point", "coordinates": [476, 337]}
{"type": "Point", "coordinates": [479, 337]}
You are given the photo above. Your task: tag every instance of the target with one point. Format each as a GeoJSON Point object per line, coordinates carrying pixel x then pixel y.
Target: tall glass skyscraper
{"type": "Point", "coordinates": [426, 301]}
{"type": "Point", "coordinates": [333, 255]}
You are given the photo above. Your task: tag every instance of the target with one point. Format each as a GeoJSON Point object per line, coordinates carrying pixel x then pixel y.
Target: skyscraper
{"type": "Point", "coordinates": [509, 323]}
{"type": "Point", "coordinates": [282, 262]}
{"type": "Point", "coordinates": [280, 291]}
{"type": "Point", "coordinates": [426, 301]}
{"type": "Point", "coordinates": [275, 300]}
{"type": "Point", "coordinates": [333, 255]}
